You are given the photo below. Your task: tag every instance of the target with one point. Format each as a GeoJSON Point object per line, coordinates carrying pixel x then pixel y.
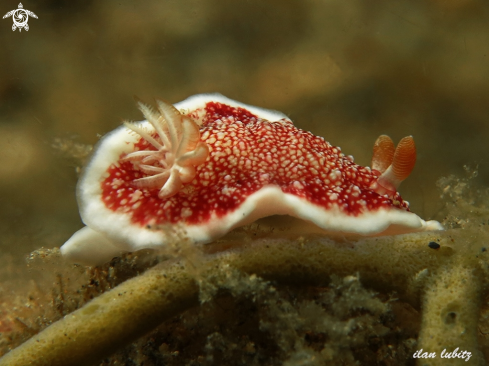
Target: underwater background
{"type": "Point", "coordinates": [345, 70]}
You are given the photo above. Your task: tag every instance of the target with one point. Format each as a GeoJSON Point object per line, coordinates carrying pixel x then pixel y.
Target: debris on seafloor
{"type": "Point", "coordinates": [283, 298]}
{"type": "Point", "coordinates": [266, 294]}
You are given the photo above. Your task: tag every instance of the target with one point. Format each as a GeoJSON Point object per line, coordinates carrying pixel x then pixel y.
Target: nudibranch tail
{"type": "Point", "coordinates": [178, 150]}
{"type": "Point", "coordinates": [402, 163]}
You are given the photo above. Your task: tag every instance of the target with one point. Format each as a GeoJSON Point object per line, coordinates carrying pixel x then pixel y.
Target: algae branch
{"type": "Point", "coordinates": [279, 299]}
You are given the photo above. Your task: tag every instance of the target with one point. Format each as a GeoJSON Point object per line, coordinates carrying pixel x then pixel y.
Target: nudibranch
{"type": "Point", "coordinates": [210, 164]}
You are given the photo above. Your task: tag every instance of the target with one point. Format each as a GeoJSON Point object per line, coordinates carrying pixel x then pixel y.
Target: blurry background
{"type": "Point", "coordinates": [346, 70]}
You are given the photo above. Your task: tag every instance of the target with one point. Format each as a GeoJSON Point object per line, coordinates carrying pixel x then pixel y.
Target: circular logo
{"type": "Point", "coordinates": [20, 18]}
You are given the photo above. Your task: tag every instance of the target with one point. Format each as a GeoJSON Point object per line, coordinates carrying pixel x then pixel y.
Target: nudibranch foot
{"type": "Point", "coordinates": [90, 247]}
{"type": "Point", "coordinates": [210, 164]}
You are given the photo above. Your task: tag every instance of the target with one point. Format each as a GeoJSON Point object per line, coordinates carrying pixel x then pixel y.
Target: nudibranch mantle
{"type": "Point", "coordinates": [210, 164]}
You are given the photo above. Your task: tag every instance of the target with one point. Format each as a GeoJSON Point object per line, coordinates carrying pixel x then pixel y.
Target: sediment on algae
{"type": "Point", "coordinates": [336, 318]}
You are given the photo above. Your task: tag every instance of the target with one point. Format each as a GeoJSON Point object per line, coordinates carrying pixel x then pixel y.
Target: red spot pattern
{"type": "Point", "coordinates": [246, 154]}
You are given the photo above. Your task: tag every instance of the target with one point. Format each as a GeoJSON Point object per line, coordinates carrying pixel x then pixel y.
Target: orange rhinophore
{"type": "Point", "coordinates": [393, 165]}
